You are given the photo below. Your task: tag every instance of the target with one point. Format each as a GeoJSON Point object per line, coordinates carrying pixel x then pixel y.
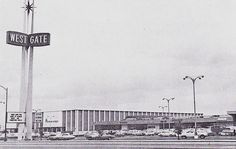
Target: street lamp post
{"type": "Point", "coordinates": [6, 89]}
{"type": "Point", "coordinates": [163, 108]}
{"type": "Point", "coordinates": [194, 102]}
{"type": "Point", "coordinates": [168, 101]}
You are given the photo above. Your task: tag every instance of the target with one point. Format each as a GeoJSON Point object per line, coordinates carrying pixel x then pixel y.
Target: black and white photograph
{"type": "Point", "coordinates": [118, 74]}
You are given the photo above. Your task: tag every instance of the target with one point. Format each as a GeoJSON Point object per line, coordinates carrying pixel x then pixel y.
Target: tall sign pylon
{"type": "Point", "coordinates": [28, 40]}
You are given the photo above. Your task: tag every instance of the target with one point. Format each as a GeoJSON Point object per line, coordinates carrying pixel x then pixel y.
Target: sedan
{"type": "Point", "coordinates": [101, 137]}
{"type": "Point", "coordinates": [63, 136]}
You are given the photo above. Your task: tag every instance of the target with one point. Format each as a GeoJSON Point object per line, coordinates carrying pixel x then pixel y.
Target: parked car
{"type": "Point", "coordinates": [190, 134]}
{"type": "Point", "coordinates": [227, 132]}
{"type": "Point", "coordinates": [12, 135]}
{"type": "Point", "coordinates": [167, 133]}
{"type": "Point", "coordinates": [100, 137]}
{"type": "Point", "coordinates": [35, 135]}
{"type": "Point", "coordinates": [62, 136]}
{"type": "Point", "coordinates": [79, 133]}
{"type": "Point", "coordinates": [120, 133]}
{"type": "Point", "coordinates": [46, 134]}
{"type": "Point", "coordinates": [136, 132]}
{"type": "Point", "coordinates": [149, 133]}
{"type": "Point", "coordinates": [91, 134]}
{"type": "Point", "coordinates": [2, 136]}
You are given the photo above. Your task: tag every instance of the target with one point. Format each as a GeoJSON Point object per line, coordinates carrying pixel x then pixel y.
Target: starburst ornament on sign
{"type": "Point", "coordinates": [29, 7]}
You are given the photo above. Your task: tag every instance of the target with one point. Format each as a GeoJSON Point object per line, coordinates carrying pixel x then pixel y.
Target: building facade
{"type": "Point", "coordinates": [85, 120]}
{"type": "Point", "coordinates": [157, 122]}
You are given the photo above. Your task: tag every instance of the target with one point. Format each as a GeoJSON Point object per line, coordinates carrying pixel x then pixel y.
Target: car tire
{"type": "Point", "coordinates": [202, 137]}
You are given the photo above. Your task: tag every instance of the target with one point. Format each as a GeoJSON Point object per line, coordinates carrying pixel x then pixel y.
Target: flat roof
{"type": "Point", "coordinates": [231, 112]}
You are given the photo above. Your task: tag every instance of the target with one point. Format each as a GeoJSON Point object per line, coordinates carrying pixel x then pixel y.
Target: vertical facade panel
{"type": "Point", "coordinates": [73, 120]}
{"type": "Point", "coordinates": [80, 120]}
{"type": "Point", "coordinates": [152, 113]}
{"type": "Point", "coordinates": [64, 119]}
{"type": "Point", "coordinates": [68, 121]}
{"type": "Point", "coordinates": [130, 113]}
{"type": "Point", "coordinates": [121, 115]}
{"type": "Point", "coordinates": [126, 114]}
{"type": "Point", "coordinates": [112, 116]}
{"type": "Point", "coordinates": [96, 116]}
{"type": "Point", "coordinates": [102, 116]}
{"type": "Point", "coordinates": [139, 113]}
{"type": "Point", "coordinates": [85, 120]}
{"type": "Point", "coordinates": [117, 116]}
{"type": "Point", "coordinates": [91, 117]}
{"type": "Point", "coordinates": [76, 120]}
{"type": "Point", "coordinates": [107, 116]}
{"type": "Point", "coordinates": [135, 113]}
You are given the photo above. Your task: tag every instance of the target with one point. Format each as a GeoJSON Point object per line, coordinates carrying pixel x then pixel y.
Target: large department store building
{"type": "Point", "coordinates": [85, 120]}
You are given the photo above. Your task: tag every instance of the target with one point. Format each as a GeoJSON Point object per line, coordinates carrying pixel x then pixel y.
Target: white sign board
{"type": "Point", "coordinates": [38, 117]}
{"type": "Point", "coordinates": [15, 117]}
{"type": "Point", "coordinates": [52, 119]}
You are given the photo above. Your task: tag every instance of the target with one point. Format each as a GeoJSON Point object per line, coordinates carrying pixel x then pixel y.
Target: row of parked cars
{"type": "Point", "coordinates": [185, 133]}
{"type": "Point", "coordinates": [46, 135]}
{"type": "Point", "coordinates": [110, 134]}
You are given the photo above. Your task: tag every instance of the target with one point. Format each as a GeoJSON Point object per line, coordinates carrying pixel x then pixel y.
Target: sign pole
{"type": "Point", "coordinates": [23, 89]}
{"type": "Point", "coordinates": [30, 84]}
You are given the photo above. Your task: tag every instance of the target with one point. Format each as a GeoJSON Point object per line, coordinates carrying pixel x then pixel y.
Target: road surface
{"type": "Point", "coordinates": [120, 144]}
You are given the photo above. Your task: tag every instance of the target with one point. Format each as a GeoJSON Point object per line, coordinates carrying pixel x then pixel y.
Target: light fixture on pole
{"type": "Point", "coordinates": [194, 102]}
{"type": "Point", "coordinates": [6, 89]}
{"type": "Point", "coordinates": [163, 108]}
{"type": "Point", "coordinates": [168, 102]}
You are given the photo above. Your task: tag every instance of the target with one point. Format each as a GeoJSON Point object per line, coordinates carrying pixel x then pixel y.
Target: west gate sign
{"type": "Point", "coordinates": [25, 40]}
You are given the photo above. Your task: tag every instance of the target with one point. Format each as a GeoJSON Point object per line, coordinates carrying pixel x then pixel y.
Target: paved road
{"type": "Point", "coordinates": [121, 144]}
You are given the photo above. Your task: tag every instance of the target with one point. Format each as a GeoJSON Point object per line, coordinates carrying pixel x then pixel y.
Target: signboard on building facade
{"type": "Point", "coordinates": [16, 117]}
{"type": "Point", "coordinates": [52, 119]}
{"type": "Point", "coordinates": [25, 40]}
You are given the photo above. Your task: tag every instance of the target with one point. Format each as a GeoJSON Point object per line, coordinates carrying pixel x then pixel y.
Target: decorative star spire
{"type": "Point", "coordinates": [29, 7]}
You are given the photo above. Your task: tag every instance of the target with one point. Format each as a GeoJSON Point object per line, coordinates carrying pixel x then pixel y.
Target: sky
{"type": "Point", "coordinates": [125, 54]}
